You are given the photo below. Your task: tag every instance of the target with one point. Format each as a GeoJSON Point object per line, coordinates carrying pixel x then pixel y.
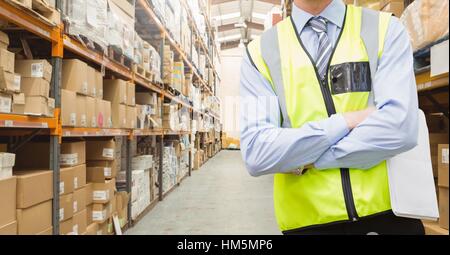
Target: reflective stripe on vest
{"type": "Point", "coordinates": [320, 197]}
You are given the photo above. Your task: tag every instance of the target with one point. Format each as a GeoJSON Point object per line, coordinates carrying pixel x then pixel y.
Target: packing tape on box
{"type": "Point", "coordinates": [108, 153]}
{"type": "Point", "coordinates": [100, 195]}
{"type": "Point", "coordinates": [69, 159]}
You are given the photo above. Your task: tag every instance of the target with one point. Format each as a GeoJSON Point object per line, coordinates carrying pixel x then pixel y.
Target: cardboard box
{"type": "Point", "coordinates": [119, 118]}
{"type": "Point", "coordinates": [34, 219]}
{"type": "Point", "coordinates": [109, 166]}
{"type": "Point", "coordinates": [99, 174]}
{"type": "Point", "coordinates": [131, 117]}
{"type": "Point", "coordinates": [8, 200]}
{"type": "Point", "coordinates": [89, 214]}
{"type": "Point", "coordinates": [38, 106]}
{"type": "Point", "coordinates": [79, 222]}
{"type": "Point", "coordinates": [103, 192]}
{"type": "Point", "coordinates": [79, 176]}
{"type": "Point", "coordinates": [7, 61]}
{"type": "Point", "coordinates": [443, 207]}
{"type": "Point", "coordinates": [435, 140]}
{"type": "Point", "coordinates": [9, 81]}
{"type": "Point", "coordinates": [91, 114]}
{"type": "Point", "coordinates": [115, 91]}
{"type": "Point", "coordinates": [6, 103]}
{"type": "Point", "coordinates": [99, 84]}
{"type": "Point", "coordinates": [394, 7]}
{"type": "Point", "coordinates": [146, 98]}
{"type": "Point", "coordinates": [439, 59]}
{"type": "Point", "coordinates": [47, 232]}
{"type": "Point", "coordinates": [33, 187]}
{"type": "Point", "coordinates": [79, 200]}
{"type": "Point", "coordinates": [73, 153]}
{"type": "Point", "coordinates": [9, 229]}
{"type": "Point", "coordinates": [4, 40]}
{"type": "Point", "coordinates": [65, 207]}
{"type": "Point", "coordinates": [66, 180]}
{"type": "Point", "coordinates": [75, 76]}
{"type": "Point", "coordinates": [99, 112]}
{"type": "Point", "coordinates": [443, 167]}
{"type": "Point", "coordinates": [18, 103]}
{"type": "Point", "coordinates": [432, 228]}
{"type": "Point", "coordinates": [92, 229]}
{"type": "Point", "coordinates": [107, 120]}
{"type": "Point", "coordinates": [102, 228]}
{"type": "Point", "coordinates": [7, 159]}
{"type": "Point", "coordinates": [131, 94]}
{"type": "Point", "coordinates": [101, 212]}
{"type": "Point", "coordinates": [68, 108]}
{"type": "Point", "coordinates": [100, 149]}
{"type": "Point", "coordinates": [66, 227]}
{"type": "Point", "coordinates": [37, 68]}
{"type": "Point", "coordinates": [81, 111]}
{"type": "Point", "coordinates": [35, 87]}
{"type": "Point", "coordinates": [92, 81]}
{"type": "Point", "coordinates": [89, 193]}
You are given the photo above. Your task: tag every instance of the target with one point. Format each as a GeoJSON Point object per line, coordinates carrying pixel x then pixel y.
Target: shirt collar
{"type": "Point", "coordinates": [335, 13]}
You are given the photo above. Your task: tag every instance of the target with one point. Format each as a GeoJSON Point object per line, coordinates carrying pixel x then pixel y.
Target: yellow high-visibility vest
{"type": "Point", "coordinates": [321, 196]}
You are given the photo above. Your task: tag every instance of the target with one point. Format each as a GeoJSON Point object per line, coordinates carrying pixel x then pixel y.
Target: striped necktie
{"type": "Point", "coordinates": [319, 25]}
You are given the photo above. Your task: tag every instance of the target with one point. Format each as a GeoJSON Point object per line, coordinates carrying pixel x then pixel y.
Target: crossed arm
{"type": "Point", "coordinates": [350, 140]}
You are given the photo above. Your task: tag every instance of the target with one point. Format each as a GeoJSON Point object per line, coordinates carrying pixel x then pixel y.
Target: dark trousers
{"type": "Point", "coordinates": [383, 224]}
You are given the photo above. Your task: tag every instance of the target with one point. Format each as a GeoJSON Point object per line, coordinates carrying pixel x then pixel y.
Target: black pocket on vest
{"type": "Point", "coordinates": [350, 77]}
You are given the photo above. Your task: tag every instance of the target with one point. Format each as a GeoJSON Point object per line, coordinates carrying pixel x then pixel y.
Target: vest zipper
{"type": "Point", "coordinates": [331, 109]}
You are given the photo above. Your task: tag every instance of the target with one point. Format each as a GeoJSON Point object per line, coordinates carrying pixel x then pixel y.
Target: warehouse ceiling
{"type": "Point", "coordinates": [238, 21]}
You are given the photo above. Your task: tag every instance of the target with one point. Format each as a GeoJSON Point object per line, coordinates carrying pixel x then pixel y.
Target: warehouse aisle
{"type": "Point", "coordinates": [220, 198]}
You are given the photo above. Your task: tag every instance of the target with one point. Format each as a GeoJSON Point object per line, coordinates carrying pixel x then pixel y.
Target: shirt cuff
{"type": "Point", "coordinates": [336, 128]}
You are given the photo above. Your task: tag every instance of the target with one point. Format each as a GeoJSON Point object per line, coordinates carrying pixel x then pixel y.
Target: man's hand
{"type": "Point", "coordinates": [353, 119]}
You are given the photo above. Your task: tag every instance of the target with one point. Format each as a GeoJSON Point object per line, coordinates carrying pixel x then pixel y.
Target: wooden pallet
{"type": "Point", "coordinates": [140, 70]}
{"type": "Point", "coordinates": [116, 55]}
{"type": "Point", "coordinates": [39, 8]}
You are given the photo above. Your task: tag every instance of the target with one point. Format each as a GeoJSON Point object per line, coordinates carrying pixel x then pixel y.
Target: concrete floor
{"type": "Point", "coordinates": [219, 199]}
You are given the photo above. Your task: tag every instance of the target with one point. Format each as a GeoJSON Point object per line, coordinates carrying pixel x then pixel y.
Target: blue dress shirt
{"type": "Point", "coordinates": [267, 148]}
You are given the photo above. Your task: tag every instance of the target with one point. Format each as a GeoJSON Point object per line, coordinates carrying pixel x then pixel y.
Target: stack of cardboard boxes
{"type": "Point", "coordinates": [101, 172]}
{"type": "Point", "coordinates": [122, 96]}
{"type": "Point", "coordinates": [9, 81]}
{"type": "Point", "coordinates": [168, 65]}
{"type": "Point", "coordinates": [178, 76]}
{"type": "Point", "coordinates": [170, 117]}
{"type": "Point", "coordinates": [82, 96]}
{"type": "Point", "coordinates": [8, 220]}
{"type": "Point", "coordinates": [24, 84]}
{"type": "Point", "coordinates": [72, 188]}
{"type": "Point", "coordinates": [149, 115]}
{"type": "Point", "coordinates": [141, 184]}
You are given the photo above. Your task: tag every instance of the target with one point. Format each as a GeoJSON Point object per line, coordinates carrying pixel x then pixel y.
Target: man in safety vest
{"type": "Point", "coordinates": [306, 86]}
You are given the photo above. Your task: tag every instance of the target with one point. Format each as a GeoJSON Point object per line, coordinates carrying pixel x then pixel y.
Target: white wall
{"type": "Point", "coordinates": [229, 90]}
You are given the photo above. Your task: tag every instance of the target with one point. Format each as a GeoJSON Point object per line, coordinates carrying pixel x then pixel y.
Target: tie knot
{"type": "Point", "coordinates": [318, 24]}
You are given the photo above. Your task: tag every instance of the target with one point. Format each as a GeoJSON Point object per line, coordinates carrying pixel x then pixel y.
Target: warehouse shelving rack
{"type": "Point", "coordinates": [27, 127]}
